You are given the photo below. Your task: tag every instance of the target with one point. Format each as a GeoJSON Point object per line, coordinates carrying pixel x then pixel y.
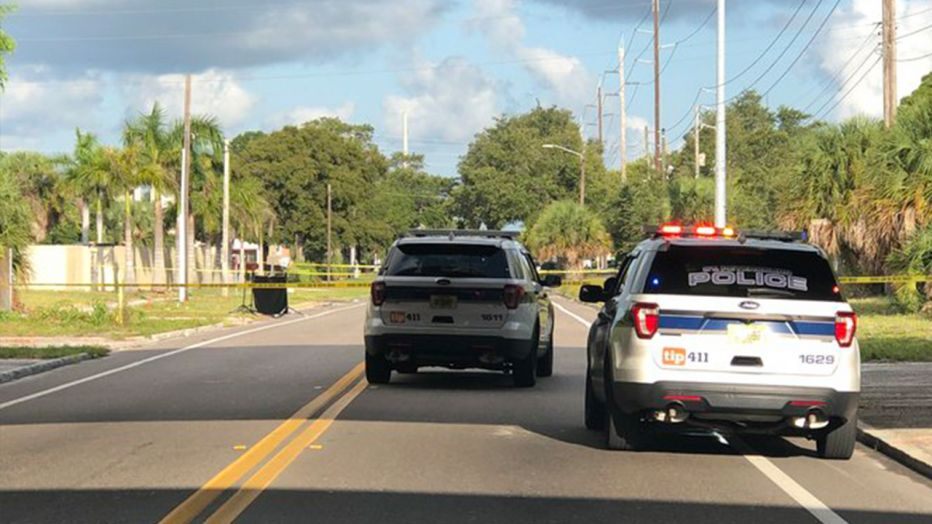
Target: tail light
{"type": "Point", "coordinates": [512, 296]}
{"type": "Point", "coordinates": [846, 323]}
{"type": "Point", "coordinates": [377, 292]}
{"type": "Point", "coordinates": [705, 231]}
{"type": "Point", "coordinates": [646, 319]}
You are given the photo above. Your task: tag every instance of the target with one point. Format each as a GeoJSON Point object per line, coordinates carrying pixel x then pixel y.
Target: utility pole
{"type": "Point", "coordinates": [623, 118]}
{"type": "Point", "coordinates": [657, 146]}
{"type": "Point", "coordinates": [182, 237]}
{"type": "Point", "coordinates": [646, 142]}
{"type": "Point", "coordinates": [329, 231]}
{"type": "Point", "coordinates": [889, 62]}
{"type": "Point", "coordinates": [225, 235]}
{"type": "Point", "coordinates": [720, 149]}
{"type": "Point", "coordinates": [598, 107]}
{"type": "Point", "coordinates": [696, 143]}
{"type": "Point", "coordinates": [404, 136]}
{"type": "Point", "coordinates": [663, 154]}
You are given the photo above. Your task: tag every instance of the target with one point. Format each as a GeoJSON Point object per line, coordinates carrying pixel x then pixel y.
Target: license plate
{"type": "Point", "coordinates": [746, 333]}
{"type": "Point", "coordinates": [443, 301]}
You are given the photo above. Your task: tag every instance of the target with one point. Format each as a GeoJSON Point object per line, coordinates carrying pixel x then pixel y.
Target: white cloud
{"type": "Point", "coordinates": [867, 96]}
{"type": "Point", "coordinates": [301, 114]}
{"type": "Point", "coordinates": [34, 105]}
{"type": "Point", "coordinates": [564, 76]}
{"type": "Point", "coordinates": [214, 92]}
{"type": "Point", "coordinates": [451, 100]}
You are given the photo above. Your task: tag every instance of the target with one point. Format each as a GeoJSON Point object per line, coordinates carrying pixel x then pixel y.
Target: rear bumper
{"type": "Point", "coordinates": [447, 350]}
{"type": "Point", "coordinates": [731, 399]}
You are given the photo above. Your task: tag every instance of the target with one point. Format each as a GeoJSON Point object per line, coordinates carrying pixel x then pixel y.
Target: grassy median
{"type": "Point", "coordinates": [94, 314]}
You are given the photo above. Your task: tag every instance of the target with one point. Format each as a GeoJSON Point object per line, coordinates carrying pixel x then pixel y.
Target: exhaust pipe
{"type": "Point", "coordinates": [814, 419]}
{"type": "Point", "coordinates": [674, 413]}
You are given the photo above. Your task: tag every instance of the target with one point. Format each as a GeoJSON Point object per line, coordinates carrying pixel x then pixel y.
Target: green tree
{"type": "Point", "coordinates": [15, 234]}
{"type": "Point", "coordinates": [7, 45]}
{"type": "Point", "coordinates": [507, 174]}
{"type": "Point", "coordinates": [44, 189]}
{"type": "Point", "coordinates": [914, 258]}
{"type": "Point", "coordinates": [124, 167]}
{"type": "Point", "coordinates": [90, 174]}
{"type": "Point", "coordinates": [568, 232]}
{"type": "Point", "coordinates": [295, 164]}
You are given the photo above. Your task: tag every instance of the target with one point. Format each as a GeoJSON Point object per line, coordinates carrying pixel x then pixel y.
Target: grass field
{"type": "Point", "coordinates": [75, 313]}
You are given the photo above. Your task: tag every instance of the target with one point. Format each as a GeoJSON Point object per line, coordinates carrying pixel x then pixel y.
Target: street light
{"type": "Point", "coordinates": [582, 169]}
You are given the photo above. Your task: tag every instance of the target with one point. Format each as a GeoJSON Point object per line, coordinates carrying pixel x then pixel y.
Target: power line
{"type": "Point", "coordinates": [804, 49]}
{"type": "Point", "coordinates": [834, 77]}
{"type": "Point", "coordinates": [871, 68]}
{"type": "Point", "coordinates": [769, 47]}
{"type": "Point", "coordinates": [845, 83]}
{"type": "Point", "coordinates": [913, 59]}
{"type": "Point", "coordinates": [911, 33]}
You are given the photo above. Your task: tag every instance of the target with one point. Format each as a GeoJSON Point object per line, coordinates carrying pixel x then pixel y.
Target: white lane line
{"type": "Point", "coordinates": [574, 316]}
{"type": "Point", "coordinates": [807, 500]}
{"type": "Point", "coordinates": [160, 356]}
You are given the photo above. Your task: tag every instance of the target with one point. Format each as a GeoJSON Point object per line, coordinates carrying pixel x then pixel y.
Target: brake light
{"type": "Point", "coordinates": [705, 231]}
{"type": "Point", "coordinates": [377, 292]}
{"type": "Point", "coordinates": [646, 319]}
{"type": "Point", "coordinates": [512, 296]}
{"type": "Point", "coordinates": [671, 229]}
{"type": "Point", "coordinates": [846, 324]}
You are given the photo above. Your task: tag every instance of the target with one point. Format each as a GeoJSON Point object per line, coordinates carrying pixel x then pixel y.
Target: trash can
{"type": "Point", "coordinates": [270, 300]}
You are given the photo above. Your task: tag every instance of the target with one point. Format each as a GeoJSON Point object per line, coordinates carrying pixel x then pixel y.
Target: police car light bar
{"type": "Point", "coordinates": [482, 233]}
{"type": "Point", "coordinates": [677, 230]}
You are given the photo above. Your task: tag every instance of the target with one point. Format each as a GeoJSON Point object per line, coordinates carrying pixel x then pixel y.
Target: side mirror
{"type": "Point", "coordinates": [591, 293]}
{"type": "Point", "coordinates": [610, 284]}
{"type": "Point", "coordinates": [552, 281]}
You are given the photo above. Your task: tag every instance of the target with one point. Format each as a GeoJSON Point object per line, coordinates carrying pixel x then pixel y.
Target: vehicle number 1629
{"type": "Point", "coordinates": [827, 360]}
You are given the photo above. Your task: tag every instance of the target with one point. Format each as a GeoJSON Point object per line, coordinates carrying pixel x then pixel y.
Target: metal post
{"type": "Point", "coordinates": [696, 143]}
{"type": "Point", "coordinates": [183, 207]}
{"type": "Point", "coordinates": [329, 231]}
{"type": "Point", "coordinates": [720, 149]}
{"type": "Point", "coordinates": [623, 136]}
{"type": "Point", "coordinates": [582, 177]}
{"type": "Point", "coordinates": [598, 108]}
{"type": "Point", "coordinates": [657, 146]}
{"type": "Point", "coordinates": [225, 235]}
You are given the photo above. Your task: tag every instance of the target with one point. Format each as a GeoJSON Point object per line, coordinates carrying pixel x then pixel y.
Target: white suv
{"type": "Point", "coordinates": [706, 328]}
{"type": "Point", "coordinates": [460, 299]}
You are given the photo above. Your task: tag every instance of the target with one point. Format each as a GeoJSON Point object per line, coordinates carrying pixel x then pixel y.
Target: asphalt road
{"type": "Point", "coordinates": [272, 423]}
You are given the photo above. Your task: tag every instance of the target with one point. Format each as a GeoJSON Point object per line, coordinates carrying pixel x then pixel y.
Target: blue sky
{"type": "Point", "coordinates": [453, 66]}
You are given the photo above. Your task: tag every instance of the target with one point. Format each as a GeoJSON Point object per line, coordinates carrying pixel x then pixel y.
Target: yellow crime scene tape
{"type": "Point", "coordinates": [888, 279]}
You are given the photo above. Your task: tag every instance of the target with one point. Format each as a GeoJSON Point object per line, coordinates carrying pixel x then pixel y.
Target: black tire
{"type": "Point", "coordinates": [595, 410]}
{"type": "Point", "coordinates": [378, 370]}
{"type": "Point", "coordinates": [623, 431]}
{"type": "Point", "coordinates": [838, 444]}
{"type": "Point", "coordinates": [629, 435]}
{"type": "Point", "coordinates": [524, 371]}
{"type": "Point", "coordinates": [406, 369]}
{"type": "Point", "coordinates": [545, 362]}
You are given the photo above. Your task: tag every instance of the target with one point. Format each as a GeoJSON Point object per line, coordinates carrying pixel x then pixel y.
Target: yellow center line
{"type": "Point", "coordinates": [256, 484]}
{"type": "Point", "coordinates": [200, 499]}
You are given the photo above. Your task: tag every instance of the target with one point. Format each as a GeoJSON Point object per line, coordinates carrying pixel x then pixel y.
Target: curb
{"type": "Point", "coordinates": [876, 443]}
{"type": "Point", "coordinates": [39, 367]}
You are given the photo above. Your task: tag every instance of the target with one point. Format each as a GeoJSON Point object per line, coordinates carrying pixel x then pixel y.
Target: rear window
{"type": "Point", "coordinates": [741, 272]}
{"type": "Point", "coordinates": [448, 260]}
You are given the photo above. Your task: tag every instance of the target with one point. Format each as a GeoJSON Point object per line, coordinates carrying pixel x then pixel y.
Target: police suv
{"type": "Point", "coordinates": [460, 299]}
{"type": "Point", "coordinates": [709, 328]}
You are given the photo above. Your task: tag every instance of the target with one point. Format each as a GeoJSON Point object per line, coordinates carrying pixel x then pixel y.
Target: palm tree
{"type": "Point", "coordinates": [570, 232]}
{"type": "Point", "coordinates": [149, 133]}
{"type": "Point", "coordinates": [206, 148]}
{"type": "Point", "coordinates": [15, 235]}
{"type": "Point", "coordinates": [90, 175]}
{"type": "Point", "coordinates": [250, 212]}
{"type": "Point", "coordinates": [124, 166]}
